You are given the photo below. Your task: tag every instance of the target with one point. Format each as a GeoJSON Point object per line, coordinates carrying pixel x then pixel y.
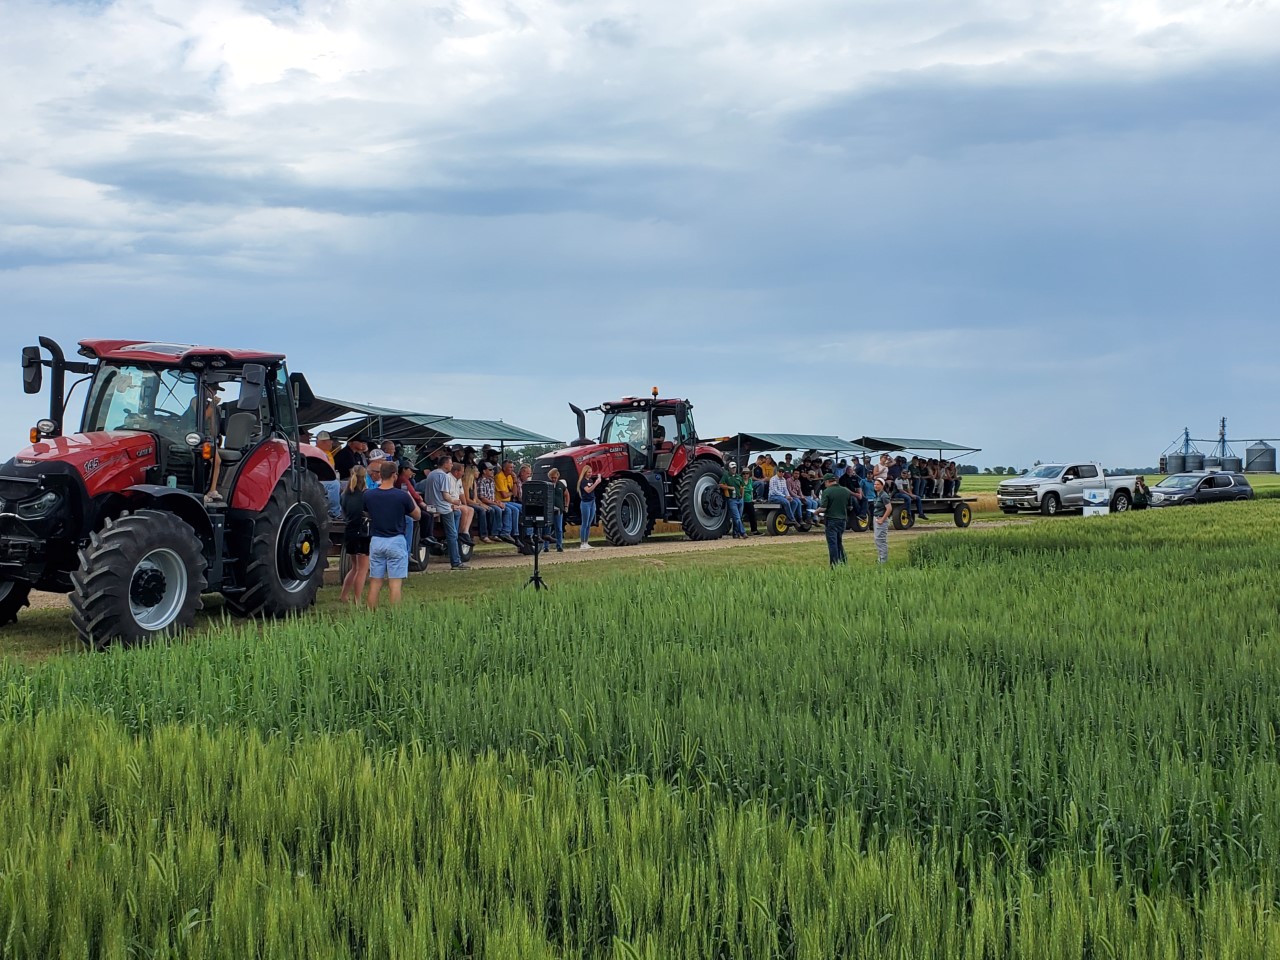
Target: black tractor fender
{"type": "Point", "coordinates": [186, 506]}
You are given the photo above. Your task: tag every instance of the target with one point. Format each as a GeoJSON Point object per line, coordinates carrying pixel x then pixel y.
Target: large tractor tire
{"type": "Point", "coordinates": [13, 597]}
{"type": "Point", "coordinates": [624, 513]}
{"type": "Point", "coordinates": [704, 512]}
{"type": "Point", "coordinates": [141, 576]}
{"type": "Point", "coordinates": [283, 558]}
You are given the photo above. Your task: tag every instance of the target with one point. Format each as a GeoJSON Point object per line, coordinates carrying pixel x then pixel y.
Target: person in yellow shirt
{"type": "Point", "coordinates": [325, 443]}
{"type": "Point", "coordinates": [504, 486]}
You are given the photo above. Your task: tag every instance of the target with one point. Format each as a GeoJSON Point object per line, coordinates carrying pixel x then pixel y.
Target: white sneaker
{"type": "Point", "coordinates": [584, 546]}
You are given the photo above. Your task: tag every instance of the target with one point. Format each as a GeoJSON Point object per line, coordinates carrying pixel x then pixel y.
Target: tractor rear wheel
{"type": "Point", "coordinates": [282, 558]}
{"type": "Point", "coordinates": [140, 576]}
{"type": "Point", "coordinates": [704, 512]}
{"type": "Point", "coordinates": [624, 513]}
{"type": "Point", "coordinates": [13, 597]}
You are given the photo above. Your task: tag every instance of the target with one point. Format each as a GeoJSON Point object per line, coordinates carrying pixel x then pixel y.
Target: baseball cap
{"type": "Point", "coordinates": [829, 477]}
{"type": "Point", "coordinates": [323, 435]}
{"type": "Point", "coordinates": [733, 463]}
{"type": "Point", "coordinates": [377, 453]}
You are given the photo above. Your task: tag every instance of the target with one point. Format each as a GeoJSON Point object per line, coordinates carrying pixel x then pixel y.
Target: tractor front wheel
{"type": "Point", "coordinates": [283, 554]}
{"type": "Point", "coordinates": [624, 513]}
{"type": "Point", "coordinates": [704, 512]}
{"type": "Point", "coordinates": [139, 577]}
{"type": "Point", "coordinates": [13, 597]}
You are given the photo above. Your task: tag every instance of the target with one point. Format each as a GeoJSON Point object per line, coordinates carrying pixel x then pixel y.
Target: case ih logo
{"type": "Point", "coordinates": [142, 452]}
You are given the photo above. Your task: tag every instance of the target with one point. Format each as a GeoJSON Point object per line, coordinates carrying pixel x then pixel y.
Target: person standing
{"type": "Point", "coordinates": [355, 536]}
{"type": "Point", "coordinates": [388, 507]}
{"type": "Point", "coordinates": [749, 500]}
{"type": "Point", "coordinates": [882, 510]}
{"type": "Point", "coordinates": [834, 503]}
{"type": "Point", "coordinates": [731, 485]}
{"type": "Point", "coordinates": [588, 483]}
{"type": "Point", "coordinates": [559, 505]}
{"type": "Point", "coordinates": [1141, 494]}
{"type": "Point", "coordinates": [436, 491]}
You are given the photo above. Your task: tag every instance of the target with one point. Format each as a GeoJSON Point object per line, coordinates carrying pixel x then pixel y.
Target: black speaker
{"type": "Point", "coordinates": [537, 497]}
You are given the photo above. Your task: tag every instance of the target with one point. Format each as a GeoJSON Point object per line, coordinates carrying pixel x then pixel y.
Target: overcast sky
{"type": "Point", "coordinates": [1046, 229]}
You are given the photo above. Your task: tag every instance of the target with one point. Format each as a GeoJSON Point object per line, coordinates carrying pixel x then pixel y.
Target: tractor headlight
{"type": "Point", "coordinates": [46, 427]}
{"type": "Point", "coordinates": [41, 506]}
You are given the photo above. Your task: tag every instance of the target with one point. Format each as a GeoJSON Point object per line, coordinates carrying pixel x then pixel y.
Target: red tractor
{"type": "Point", "coordinates": [121, 514]}
{"type": "Point", "coordinates": [653, 469]}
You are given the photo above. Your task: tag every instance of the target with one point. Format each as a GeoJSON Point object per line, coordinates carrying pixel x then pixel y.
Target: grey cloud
{"type": "Point", "coordinates": [939, 111]}
{"type": "Point", "coordinates": [612, 32]}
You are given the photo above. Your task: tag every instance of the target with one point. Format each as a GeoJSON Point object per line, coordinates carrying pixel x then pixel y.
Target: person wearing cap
{"type": "Point", "coordinates": [488, 500]}
{"type": "Point", "coordinates": [749, 500]}
{"type": "Point", "coordinates": [881, 511]}
{"type": "Point", "coordinates": [779, 494]}
{"type": "Point", "coordinates": [805, 506]}
{"type": "Point", "coordinates": [731, 485]}
{"type": "Point", "coordinates": [834, 504]}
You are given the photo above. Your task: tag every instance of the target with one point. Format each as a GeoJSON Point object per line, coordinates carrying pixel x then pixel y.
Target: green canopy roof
{"type": "Point", "coordinates": [787, 441]}
{"type": "Point", "coordinates": [405, 426]}
{"type": "Point", "coordinates": [891, 444]}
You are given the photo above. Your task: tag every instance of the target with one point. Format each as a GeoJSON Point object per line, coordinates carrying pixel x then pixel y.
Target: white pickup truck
{"type": "Point", "coordinates": [1054, 487]}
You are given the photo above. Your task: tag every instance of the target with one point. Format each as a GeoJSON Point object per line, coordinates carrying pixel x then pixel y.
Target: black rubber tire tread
{"type": "Point", "coordinates": [684, 498]}
{"type": "Point", "coordinates": [419, 549]}
{"type": "Point", "coordinates": [18, 597]}
{"type": "Point", "coordinates": [861, 524]}
{"type": "Point", "coordinates": [611, 512]}
{"type": "Point", "coordinates": [100, 586]}
{"type": "Point", "coordinates": [778, 524]}
{"type": "Point", "coordinates": [962, 515]}
{"type": "Point", "coordinates": [1121, 498]}
{"type": "Point", "coordinates": [1050, 505]}
{"type": "Point", "coordinates": [265, 595]}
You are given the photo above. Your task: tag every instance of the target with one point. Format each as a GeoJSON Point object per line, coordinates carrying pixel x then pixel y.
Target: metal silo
{"type": "Point", "coordinates": [1232, 464]}
{"type": "Point", "coordinates": [1177, 463]}
{"type": "Point", "coordinates": [1195, 462]}
{"type": "Point", "coordinates": [1260, 458]}
{"type": "Point", "coordinates": [1213, 463]}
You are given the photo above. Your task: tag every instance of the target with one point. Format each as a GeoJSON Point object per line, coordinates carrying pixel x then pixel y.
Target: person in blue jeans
{"type": "Point", "coordinates": [587, 484]}
{"type": "Point", "coordinates": [732, 484]}
{"type": "Point", "coordinates": [387, 509]}
{"type": "Point", "coordinates": [779, 494]}
{"type": "Point", "coordinates": [435, 491]}
{"type": "Point", "coordinates": [560, 503]}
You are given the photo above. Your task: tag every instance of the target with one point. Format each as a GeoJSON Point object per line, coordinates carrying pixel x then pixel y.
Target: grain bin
{"type": "Point", "coordinates": [1164, 465]}
{"type": "Point", "coordinates": [1195, 462]}
{"type": "Point", "coordinates": [1232, 464]}
{"type": "Point", "coordinates": [1260, 458]}
{"type": "Point", "coordinates": [1176, 463]}
{"type": "Point", "coordinates": [1213, 463]}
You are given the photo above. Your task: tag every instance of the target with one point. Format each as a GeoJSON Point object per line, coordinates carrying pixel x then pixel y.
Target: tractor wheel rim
{"type": "Point", "coordinates": [157, 589]}
{"type": "Point", "coordinates": [708, 501]}
{"type": "Point", "coordinates": [298, 550]}
{"type": "Point", "coordinates": [631, 511]}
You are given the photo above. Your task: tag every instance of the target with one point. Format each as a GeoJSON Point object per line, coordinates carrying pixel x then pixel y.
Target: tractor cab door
{"type": "Point", "coordinates": [667, 428]}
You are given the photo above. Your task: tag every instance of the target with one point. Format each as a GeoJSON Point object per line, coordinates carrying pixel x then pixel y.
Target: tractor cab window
{"type": "Point", "coordinates": [626, 426]}
{"type": "Point", "coordinates": [286, 418]}
{"type": "Point", "coordinates": [161, 401]}
{"type": "Point", "coordinates": [666, 431]}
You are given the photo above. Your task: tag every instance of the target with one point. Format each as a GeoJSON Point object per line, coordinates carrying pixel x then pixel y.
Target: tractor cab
{"type": "Point", "coordinates": [652, 429]}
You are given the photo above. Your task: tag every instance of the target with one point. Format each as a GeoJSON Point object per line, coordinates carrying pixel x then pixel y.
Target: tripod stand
{"type": "Point", "coordinates": [536, 580]}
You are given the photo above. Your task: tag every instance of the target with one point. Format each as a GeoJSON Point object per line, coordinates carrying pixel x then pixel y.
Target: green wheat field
{"type": "Point", "coordinates": [1055, 739]}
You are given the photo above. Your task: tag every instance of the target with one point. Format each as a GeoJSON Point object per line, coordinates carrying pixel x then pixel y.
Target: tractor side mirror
{"type": "Point", "coordinates": [32, 370]}
{"type": "Point", "coordinates": [252, 387]}
{"type": "Point", "coordinates": [302, 395]}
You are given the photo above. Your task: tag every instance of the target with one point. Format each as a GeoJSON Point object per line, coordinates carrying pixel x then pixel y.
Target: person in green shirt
{"type": "Point", "coordinates": [834, 504]}
{"type": "Point", "coordinates": [748, 500]}
{"type": "Point", "coordinates": [881, 511]}
{"type": "Point", "coordinates": [731, 485]}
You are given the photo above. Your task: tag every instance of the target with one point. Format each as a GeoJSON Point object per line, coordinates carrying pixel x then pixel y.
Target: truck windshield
{"type": "Point", "coordinates": [626, 426]}
{"type": "Point", "coordinates": [1046, 471]}
{"type": "Point", "coordinates": [153, 400]}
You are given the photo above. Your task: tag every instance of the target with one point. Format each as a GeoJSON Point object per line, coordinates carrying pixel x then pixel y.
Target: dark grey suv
{"type": "Point", "coordinates": [1182, 489]}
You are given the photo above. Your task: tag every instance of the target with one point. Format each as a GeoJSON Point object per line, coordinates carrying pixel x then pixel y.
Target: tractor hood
{"type": "Point", "coordinates": [110, 459]}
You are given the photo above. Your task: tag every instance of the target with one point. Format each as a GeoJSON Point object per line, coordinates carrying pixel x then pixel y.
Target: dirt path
{"type": "Point", "coordinates": [497, 557]}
